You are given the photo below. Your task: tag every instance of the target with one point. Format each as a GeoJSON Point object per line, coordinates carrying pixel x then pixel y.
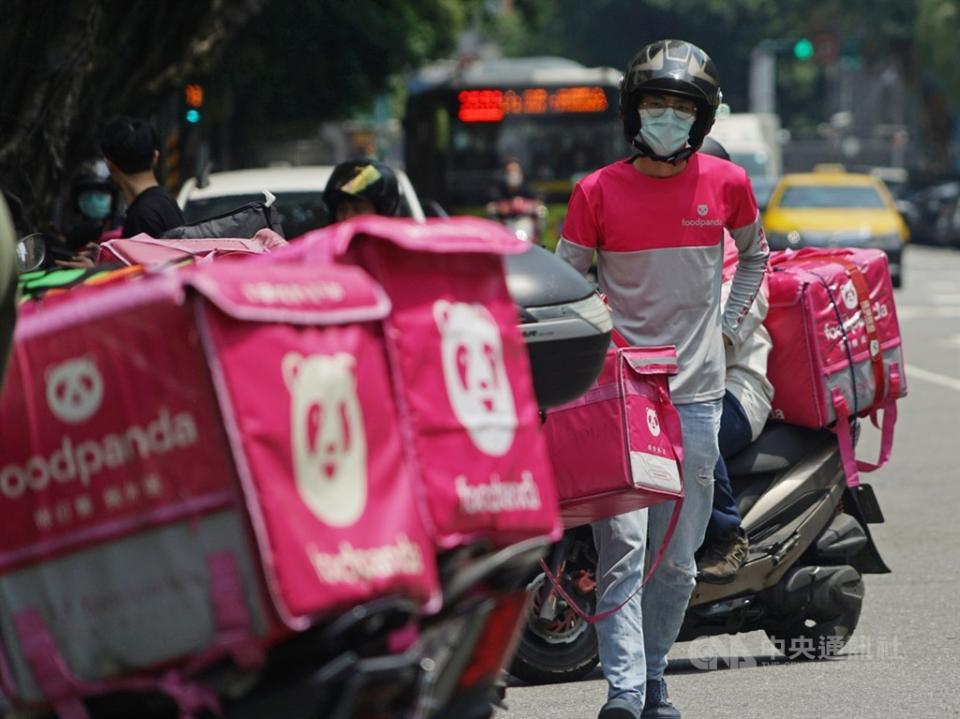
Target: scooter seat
{"type": "Point", "coordinates": [779, 446]}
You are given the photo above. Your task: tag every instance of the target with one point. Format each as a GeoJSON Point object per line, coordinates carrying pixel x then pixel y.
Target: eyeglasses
{"type": "Point", "coordinates": [657, 106]}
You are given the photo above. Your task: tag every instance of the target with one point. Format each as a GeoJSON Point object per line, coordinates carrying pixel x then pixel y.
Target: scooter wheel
{"type": "Point", "coordinates": [562, 650]}
{"type": "Point", "coordinates": [827, 620]}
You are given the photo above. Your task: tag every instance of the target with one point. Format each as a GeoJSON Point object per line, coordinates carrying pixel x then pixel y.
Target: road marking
{"type": "Point", "coordinates": [950, 342]}
{"type": "Point", "coordinates": [908, 312]}
{"type": "Point", "coordinates": [933, 377]}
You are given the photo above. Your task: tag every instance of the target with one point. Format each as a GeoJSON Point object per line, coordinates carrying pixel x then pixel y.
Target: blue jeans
{"type": "Point", "coordinates": [735, 434]}
{"type": "Point", "coordinates": [634, 641]}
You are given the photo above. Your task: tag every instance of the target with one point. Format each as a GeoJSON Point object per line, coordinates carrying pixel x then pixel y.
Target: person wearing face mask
{"type": "Point", "coordinates": [513, 197]}
{"type": "Point", "coordinates": [94, 199]}
{"type": "Point", "coordinates": [513, 183]}
{"type": "Point", "coordinates": [656, 221]}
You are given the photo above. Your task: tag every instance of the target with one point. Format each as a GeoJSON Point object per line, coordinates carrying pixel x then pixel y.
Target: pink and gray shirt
{"type": "Point", "coordinates": [659, 243]}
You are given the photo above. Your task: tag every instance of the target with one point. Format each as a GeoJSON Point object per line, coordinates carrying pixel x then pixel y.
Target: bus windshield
{"type": "Point", "coordinates": [558, 118]}
{"type": "Point", "coordinates": [548, 150]}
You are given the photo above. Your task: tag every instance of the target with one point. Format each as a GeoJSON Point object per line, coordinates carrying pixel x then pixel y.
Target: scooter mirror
{"type": "Point", "coordinates": [31, 253]}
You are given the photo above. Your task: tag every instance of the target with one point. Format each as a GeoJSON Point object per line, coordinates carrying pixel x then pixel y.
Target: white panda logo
{"type": "Point", "coordinates": [653, 422]}
{"type": "Point", "coordinates": [475, 376]}
{"type": "Point", "coordinates": [328, 440]}
{"type": "Point", "coordinates": [848, 293]}
{"type": "Point", "coordinates": [74, 390]}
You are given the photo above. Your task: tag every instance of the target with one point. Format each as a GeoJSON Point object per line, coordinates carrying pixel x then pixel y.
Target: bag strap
{"type": "Point", "coordinates": [841, 428]}
{"type": "Point", "coordinates": [870, 324]}
{"type": "Point", "coordinates": [234, 630]}
{"type": "Point", "coordinates": [889, 408]}
{"type": "Point", "coordinates": [851, 465]}
{"type": "Point", "coordinates": [594, 618]}
{"type": "Point", "coordinates": [50, 673]}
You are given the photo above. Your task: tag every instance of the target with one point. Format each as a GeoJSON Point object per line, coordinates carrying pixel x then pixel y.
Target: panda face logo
{"type": "Point", "coordinates": [74, 390]}
{"type": "Point", "coordinates": [848, 293]}
{"type": "Point", "coordinates": [475, 376]}
{"type": "Point", "coordinates": [327, 438]}
{"type": "Point", "coordinates": [653, 422]}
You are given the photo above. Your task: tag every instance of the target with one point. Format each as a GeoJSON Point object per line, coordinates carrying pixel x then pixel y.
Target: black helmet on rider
{"type": "Point", "coordinates": [359, 187]}
{"type": "Point", "coordinates": [712, 147]}
{"type": "Point", "coordinates": [92, 190]}
{"type": "Point", "coordinates": [679, 69]}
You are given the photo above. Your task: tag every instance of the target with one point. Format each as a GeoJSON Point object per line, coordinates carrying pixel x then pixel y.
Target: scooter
{"type": "Point", "coordinates": [524, 216]}
{"type": "Point", "coordinates": [810, 544]}
{"type": "Point", "coordinates": [385, 659]}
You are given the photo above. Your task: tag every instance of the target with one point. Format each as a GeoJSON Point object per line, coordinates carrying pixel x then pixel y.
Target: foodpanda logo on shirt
{"type": "Point", "coordinates": [701, 220]}
{"type": "Point", "coordinates": [475, 376]}
{"type": "Point", "coordinates": [327, 439]}
{"type": "Point", "coordinates": [74, 390]}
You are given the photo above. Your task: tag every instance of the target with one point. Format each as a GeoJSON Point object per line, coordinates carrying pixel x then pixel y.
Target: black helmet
{"type": "Point", "coordinates": [712, 147]}
{"type": "Point", "coordinates": [92, 174]}
{"type": "Point", "coordinates": [368, 179]}
{"type": "Point", "coordinates": [674, 67]}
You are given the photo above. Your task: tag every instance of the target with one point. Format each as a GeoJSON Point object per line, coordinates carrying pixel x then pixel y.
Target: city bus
{"type": "Point", "coordinates": [462, 121]}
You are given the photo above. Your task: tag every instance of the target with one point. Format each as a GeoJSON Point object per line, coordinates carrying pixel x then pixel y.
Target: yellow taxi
{"type": "Point", "coordinates": [833, 208]}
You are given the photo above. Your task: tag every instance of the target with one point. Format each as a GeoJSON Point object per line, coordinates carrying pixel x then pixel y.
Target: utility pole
{"type": "Point", "coordinates": [763, 80]}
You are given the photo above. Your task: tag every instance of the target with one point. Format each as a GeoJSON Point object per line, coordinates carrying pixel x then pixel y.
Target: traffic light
{"type": "Point", "coordinates": [803, 49]}
{"type": "Point", "coordinates": [193, 94]}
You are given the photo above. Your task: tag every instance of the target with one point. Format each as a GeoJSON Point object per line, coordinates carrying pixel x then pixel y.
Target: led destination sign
{"type": "Point", "coordinates": [494, 105]}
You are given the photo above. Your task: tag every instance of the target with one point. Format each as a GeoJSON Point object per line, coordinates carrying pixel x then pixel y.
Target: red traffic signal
{"type": "Point", "coordinates": [194, 95]}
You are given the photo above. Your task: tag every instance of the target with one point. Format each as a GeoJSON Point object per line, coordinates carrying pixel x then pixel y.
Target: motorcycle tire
{"type": "Point", "coordinates": [564, 650]}
{"type": "Point", "coordinates": [539, 662]}
{"type": "Point", "coordinates": [824, 627]}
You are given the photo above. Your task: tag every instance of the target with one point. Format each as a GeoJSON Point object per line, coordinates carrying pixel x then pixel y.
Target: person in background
{"type": "Point", "coordinates": [514, 199]}
{"type": "Point", "coordinates": [513, 183]}
{"type": "Point", "coordinates": [656, 222]}
{"type": "Point", "coordinates": [132, 148]}
{"type": "Point", "coordinates": [746, 406]}
{"type": "Point", "coordinates": [94, 199]}
{"type": "Point", "coordinates": [361, 187]}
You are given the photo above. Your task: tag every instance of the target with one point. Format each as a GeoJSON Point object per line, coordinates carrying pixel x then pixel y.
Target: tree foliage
{"type": "Point", "coordinates": [938, 27]}
{"type": "Point", "coordinates": [876, 32]}
{"type": "Point", "coordinates": [68, 64]}
{"type": "Point", "coordinates": [303, 63]}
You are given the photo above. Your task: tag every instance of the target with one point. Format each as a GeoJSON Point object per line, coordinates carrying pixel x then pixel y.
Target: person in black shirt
{"type": "Point", "coordinates": [132, 148]}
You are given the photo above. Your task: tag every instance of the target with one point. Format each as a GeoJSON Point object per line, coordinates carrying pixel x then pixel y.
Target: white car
{"type": "Point", "coordinates": [299, 192]}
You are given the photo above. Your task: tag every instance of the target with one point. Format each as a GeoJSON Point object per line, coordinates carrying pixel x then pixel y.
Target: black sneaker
{"type": "Point", "coordinates": [656, 705]}
{"type": "Point", "coordinates": [722, 558]}
{"type": "Point", "coordinates": [618, 709]}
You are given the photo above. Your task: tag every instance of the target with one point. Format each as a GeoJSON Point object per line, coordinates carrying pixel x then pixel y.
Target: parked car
{"type": "Point", "coordinates": [299, 192]}
{"type": "Point", "coordinates": [935, 214]}
{"type": "Point", "coordinates": [762, 188]}
{"type": "Point", "coordinates": [833, 208]}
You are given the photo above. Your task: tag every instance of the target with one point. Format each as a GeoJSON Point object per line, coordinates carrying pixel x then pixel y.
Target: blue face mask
{"type": "Point", "coordinates": [95, 204]}
{"type": "Point", "coordinates": [665, 134]}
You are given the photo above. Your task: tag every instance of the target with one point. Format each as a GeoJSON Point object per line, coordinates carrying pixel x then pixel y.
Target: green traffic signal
{"type": "Point", "coordinates": [803, 49]}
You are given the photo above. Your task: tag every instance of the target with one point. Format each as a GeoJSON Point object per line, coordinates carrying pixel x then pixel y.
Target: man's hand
{"type": "Point", "coordinates": [78, 262]}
